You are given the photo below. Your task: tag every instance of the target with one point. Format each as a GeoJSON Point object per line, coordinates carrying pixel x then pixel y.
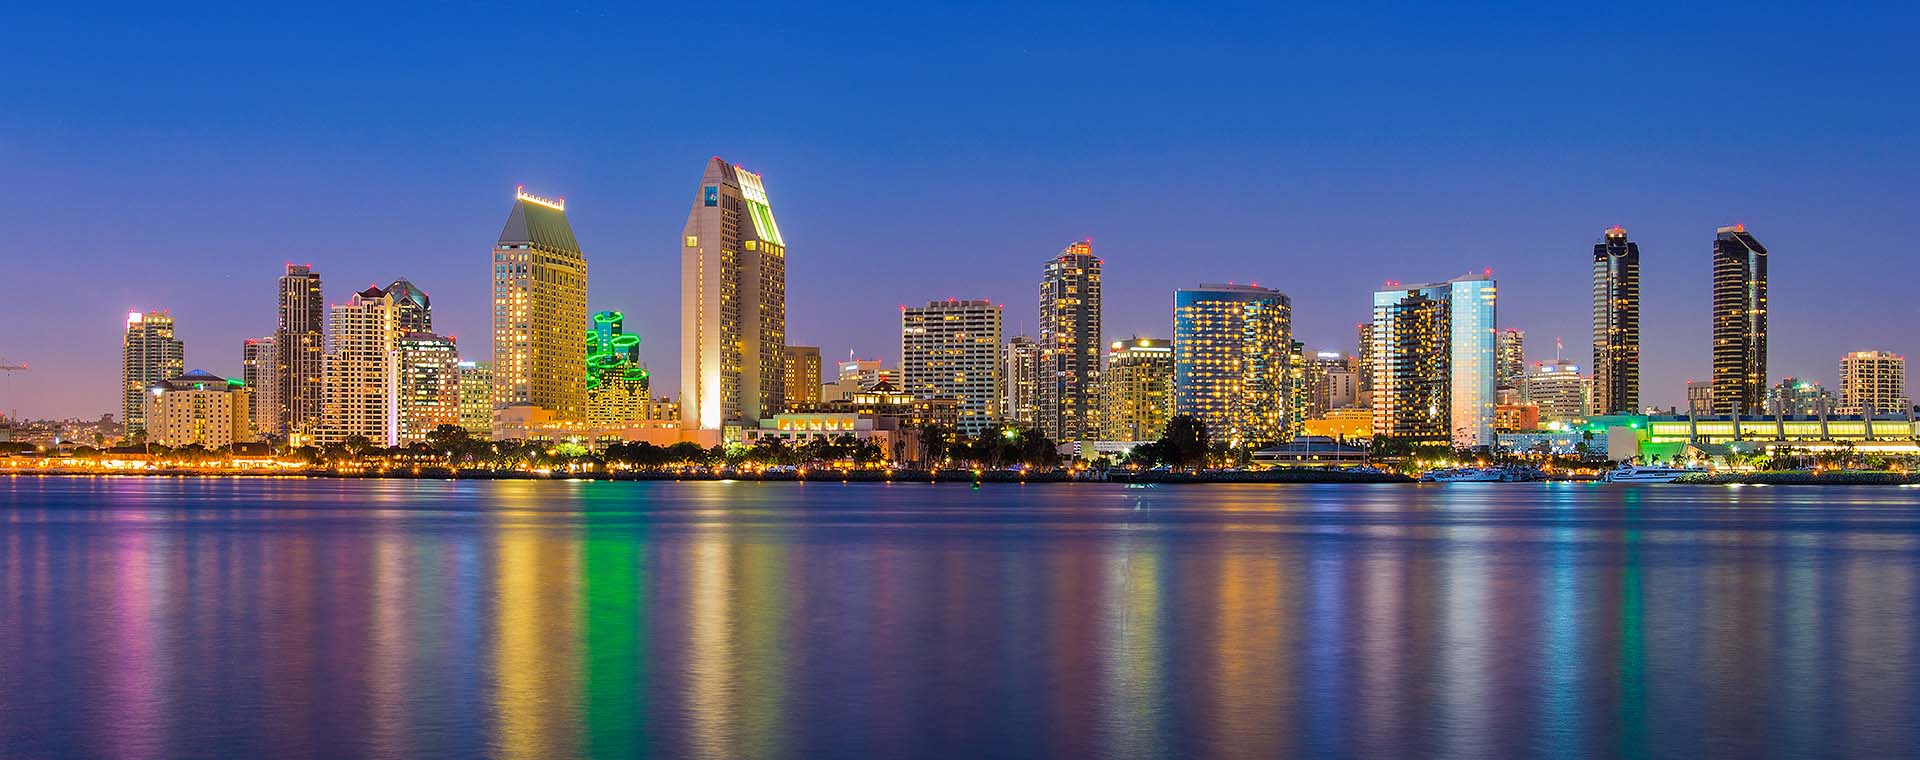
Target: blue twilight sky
{"type": "Point", "coordinates": [176, 155]}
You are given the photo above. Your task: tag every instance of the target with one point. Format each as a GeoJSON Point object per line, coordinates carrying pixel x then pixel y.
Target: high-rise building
{"type": "Point", "coordinates": [476, 397]}
{"type": "Point", "coordinates": [1434, 361]}
{"type": "Point", "coordinates": [1332, 383]}
{"type": "Point", "coordinates": [1558, 390]}
{"type": "Point", "coordinates": [362, 370]}
{"type": "Point", "coordinates": [1699, 398]}
{"type": "Point", "coordinates": [619, 388]}
{"type": "Point", "coordinates": [1069, 343]}
{"type": "Point", "coordinates": [1739, 321]}
{"type": "Point", "coordinates": [733, 303]}
{"type": "Point", "coordinates": [951, 349]}
{"type": "Point", "coordinates": [1510, 347]}
{"type": "Point", "coordinates": [429, 382]}
{"type": "Point", "coordinates": [1022, 373]}
{"type": "Point", "coordinates": [802, 370]}
{"type": "Point", "coordinates": [1364, 397]}
{"type": "Point", "coordinates": [1875, 380]}
{"type": "Point", "coordinates": [1795, 397]}
{"type": "Point", "coordinates": [413, 308]}
{"type": "Point", "coordinates": [260, 371]}
{"type": "Point", "coordinates": [1139, 389]}
{"type": "Point", "coordinates": [1232, 345]}
{"type": "Point", "coordinates": [1616, 324]}
{"type": "Point", "coordinates": [539, 304]}
{"type": "Point", "coordinates": [300, 342]}
{"type": "Point", "coordinates": [198, 408]}
{"type": "Point", "coordinates": [149, 354]}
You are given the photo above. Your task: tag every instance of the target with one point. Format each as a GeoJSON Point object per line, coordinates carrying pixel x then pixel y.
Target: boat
{"type": "Point", "coordinates": [1464, 475]}
{"type": "Point", "coordinates": [1631, 473]}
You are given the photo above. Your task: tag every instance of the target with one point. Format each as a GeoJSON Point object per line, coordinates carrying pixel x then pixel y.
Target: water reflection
{"type": "Point", "coordinates": [229, 617]}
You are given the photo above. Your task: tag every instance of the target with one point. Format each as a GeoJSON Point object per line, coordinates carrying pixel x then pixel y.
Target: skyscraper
{"type": "Point", "coordinates": [1795, 397]}
{"type": "Point", "coordinates": [1616, 324]}
{"type": "Point", "coordinates": [1433, 361]}
{"type": "Point", "coordinates": [260, 371]}
{"type": "Point", "coordinates": [476, 397]}
{"type": "Point", "coordinates": [412, 307]}
{"type": "Point", "coordinates": [149, 355]}
{"type": "Point", "coordinates": [1139, 389]}
{"type": "Point", "coordinates": [951, 349]}
{"type": "Point", "coordinates": [733, 303]}
{"type": "Point", "coordinates": [802, 371]}
{"type": "Point", "coordinates": [429, 381]}
{"type": "Point", "coordinates": [1739, 322]}
{"type": "Point", "coordinates": [362, 371]}
{"type": "Point", "coordinates": [539, 304]}
{"type": "Point", "coordinates": [1232, 345]}
{"type": "Point", "coordinates": [1069, 343]}
{"type": "Point", "coordinates": [1875, 380]}
{"type": "Point", "coordinates": [300, 343]}
{"type": "Point", "coordinates": [1558, 390]}
{"type": "Point", "coordinates": [1511, 349]}
{"type": "Point", "coordinates": [618, 385]}
{"type": "Point", "coordinates": [1022, 373]}
{"type": "Point", "coordinates": [1363, 396]}
{"type": "Point", "coordinates": [1332, 382]}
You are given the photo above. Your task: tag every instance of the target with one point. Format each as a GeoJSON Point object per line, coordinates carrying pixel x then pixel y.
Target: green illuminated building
{"type": "Point", "coordinates": [617, 383]}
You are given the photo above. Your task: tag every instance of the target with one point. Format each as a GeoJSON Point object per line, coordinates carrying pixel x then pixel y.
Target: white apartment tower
{"type": "Point", "coordinates": [1874, 380]}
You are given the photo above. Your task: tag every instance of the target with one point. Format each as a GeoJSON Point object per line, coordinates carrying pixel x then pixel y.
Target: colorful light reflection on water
{"type": "Point", "coordinates": [342, 618]}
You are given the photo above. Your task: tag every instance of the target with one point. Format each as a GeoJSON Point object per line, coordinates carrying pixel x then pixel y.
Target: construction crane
{"type": "Point", "coordinates": [7, 368]}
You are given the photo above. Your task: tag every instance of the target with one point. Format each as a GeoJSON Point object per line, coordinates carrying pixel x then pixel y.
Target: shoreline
{"type": "Point", "coordinates": [1792, 478]}
{"type": "Point", "coordinates": [822, 476]}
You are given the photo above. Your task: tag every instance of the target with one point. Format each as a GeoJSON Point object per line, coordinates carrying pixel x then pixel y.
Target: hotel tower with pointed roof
{"type": "Point", "coordinates": [539, 311]}
{"type": "Point", "coordinates": [733, 303]}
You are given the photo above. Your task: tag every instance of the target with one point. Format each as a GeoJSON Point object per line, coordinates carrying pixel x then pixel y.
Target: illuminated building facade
{"type": "Point", "coordinates": [1232, 345]}
{"type": "Point", "coordinates": [199, 408]}
{"type": "Point", "coordinates": [802, 371]}
{"type": "Point", "coordinates": [1873, 381]}
{"type": "Point", "coordinates": [1069, 344]}
{"type": "Point", "coordinates": [476, 397]}
{"type": "Point", "coordinates": [149, 354]}
{"type": "Point", "coordinates": [1022, 373]}
{"type": "Point", "coordinates": [1739, 321]}
{"type": "Point", "coordinates": [1434, 361]}
{"type": "Point", "coordinates": [733, 303]}
{"type": "Point", "coordinates": [1139, 389]}
{"type": "Point", "coordinates": [539, 304]}
{"type": "Point", "coordinates": [412, 308]}
{"type": "Point", "coordinates": [259, 371]}
{"type": "Point", "coordinates": [429, 389]}
{"type": "Point", "coordinates": [362, 371]}
{"type": "Point", "coordinates": [1331, 383]}
{"type": "Point", "coordinates": [1795, 397]}
{"type": "Point", "coordinates": [300, 343]}
{"type": "Point", "coordinates": [618, 386]}
{"type": "Point", "coordinates": [951, 349]}
{"type": "Point", "coordinates": [1364, 396]}
{"type": "Point", "coordinates": [1510, 348]}
{"type": "Point", "coordinates": [1699, 397]}
{"type": "Point", "coordinates": [1616, 324]}
{"type": "Point", "coordinates": [1558, 391]}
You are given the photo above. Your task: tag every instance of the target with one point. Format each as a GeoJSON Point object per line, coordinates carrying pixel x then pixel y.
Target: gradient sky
{"type": "Point", "coordinates": [175, 156]}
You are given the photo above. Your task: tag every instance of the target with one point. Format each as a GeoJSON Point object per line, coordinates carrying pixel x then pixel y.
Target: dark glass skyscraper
{"type": "Point", "coordinates": [1616, 324]}
{"type": "Point", "coordinates": [300, 344]}
{"type": "Point", "coordinates": [1739, 322]}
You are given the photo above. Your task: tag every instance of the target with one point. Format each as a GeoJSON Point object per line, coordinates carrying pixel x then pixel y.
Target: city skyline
{"type": "Point", "coordinates": [1469, 184]}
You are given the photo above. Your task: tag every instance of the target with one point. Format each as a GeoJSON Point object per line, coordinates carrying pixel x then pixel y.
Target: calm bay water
{"type": "Point", "coordinates": [340, 618]}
